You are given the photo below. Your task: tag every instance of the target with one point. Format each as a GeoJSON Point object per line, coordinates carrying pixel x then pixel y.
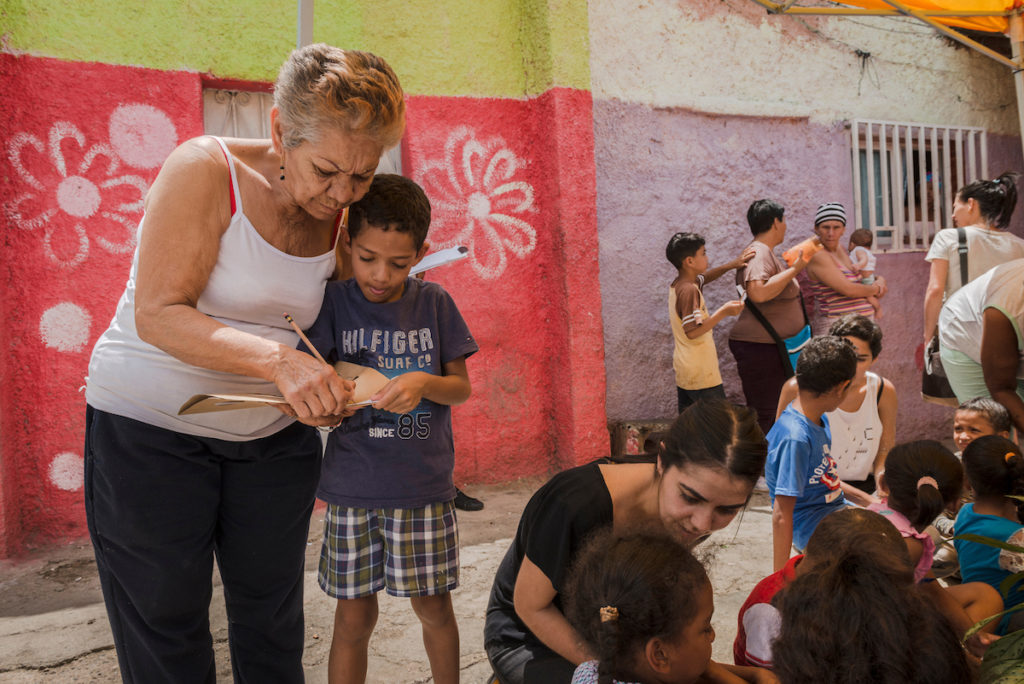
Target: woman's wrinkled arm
{"type": "Point", "coordinates": [187, 211]}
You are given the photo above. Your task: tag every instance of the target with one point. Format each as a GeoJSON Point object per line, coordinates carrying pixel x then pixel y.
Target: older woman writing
{"type": "Point", "coordinates": [235, 233]}
{"type": "Point", "coordinates": [834, 282]}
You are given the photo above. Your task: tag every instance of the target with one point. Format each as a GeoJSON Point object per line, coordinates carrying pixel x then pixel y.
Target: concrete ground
{"type": "Point", "coordinates": [53, 626]}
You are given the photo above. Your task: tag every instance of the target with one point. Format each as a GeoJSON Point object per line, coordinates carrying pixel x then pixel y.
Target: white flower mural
{"type": "Point", "coordinates": [73, 190]}
{"type": "Point", "coordinates": [480, 200]}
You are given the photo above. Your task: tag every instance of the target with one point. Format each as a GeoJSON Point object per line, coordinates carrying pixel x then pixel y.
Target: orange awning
{"type": "Point", "coordinates": [945, 16]}
{"type": "Point", "coordinates": [978, 15]}
{"type": "Point", "coordinates": [988, 15]}
{"type": "Point", "coordinates": [985, 15]}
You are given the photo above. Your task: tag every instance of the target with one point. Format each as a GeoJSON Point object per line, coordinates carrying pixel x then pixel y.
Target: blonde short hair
{"type": "Point", "coordinates": [321, 86]}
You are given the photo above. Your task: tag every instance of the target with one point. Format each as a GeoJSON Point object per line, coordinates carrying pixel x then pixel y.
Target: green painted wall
{"type": "Point", "coordinates": [491, 48]}
{"type": "Point", "coordinates": [237, 39]}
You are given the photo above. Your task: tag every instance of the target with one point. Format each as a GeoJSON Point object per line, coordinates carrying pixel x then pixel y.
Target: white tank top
{"type": "Point", "coordinates": [855, 436]}
{"type": "Point", "coordinates": [250, 288]}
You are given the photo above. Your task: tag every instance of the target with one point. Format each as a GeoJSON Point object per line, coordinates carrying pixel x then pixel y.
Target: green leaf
{"type": "Point", "coordinates": [988, 541]}
{"type": "Point", "coordinates": [1007, 584]}
{"type": "Point", "coordinates": [977, 626]}
{"type": "Point", "coordinates": [1002, 661]}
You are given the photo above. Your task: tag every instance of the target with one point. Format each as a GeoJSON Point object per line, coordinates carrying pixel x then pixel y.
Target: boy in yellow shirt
{"type": "Point", "coordinates": [695, 358]}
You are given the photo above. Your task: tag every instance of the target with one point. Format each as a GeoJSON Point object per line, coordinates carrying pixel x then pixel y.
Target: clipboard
{"type": "Point", "coordinates": [368, 382]}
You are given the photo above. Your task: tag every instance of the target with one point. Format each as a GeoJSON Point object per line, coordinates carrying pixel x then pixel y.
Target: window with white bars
{"type": "Point", "coordinates": [905, 176]}
{"type": "Point", "coordinates": [246, 114]}
{"type": "Point", "coordinates": [237, 113]}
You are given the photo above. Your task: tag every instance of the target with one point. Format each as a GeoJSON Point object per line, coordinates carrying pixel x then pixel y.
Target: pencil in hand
{"type": "Point", "coordinates": [302, 336]}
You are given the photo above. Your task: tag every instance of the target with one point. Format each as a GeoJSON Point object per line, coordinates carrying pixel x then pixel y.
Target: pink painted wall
{"type": "Point", "coordinates": [82, 143]}
{"type": "Point", "coordinates": [665, 170]}
{"type": "Point", "coordinates": [513, 180]}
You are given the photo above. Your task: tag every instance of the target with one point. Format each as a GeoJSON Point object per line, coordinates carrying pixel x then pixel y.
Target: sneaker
{"type": "Point", "coordinates": [464, 502]}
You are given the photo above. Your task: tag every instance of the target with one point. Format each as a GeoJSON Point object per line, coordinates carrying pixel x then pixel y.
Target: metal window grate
{"type": "Point", "coordinates": [905, 176]}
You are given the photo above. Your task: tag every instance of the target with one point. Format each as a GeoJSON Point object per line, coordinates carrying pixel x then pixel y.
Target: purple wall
{"type": "Point", "coordinates": [660, 171]}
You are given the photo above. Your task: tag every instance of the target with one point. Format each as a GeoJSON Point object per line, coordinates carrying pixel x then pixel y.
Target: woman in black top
{"type": "Point", "coordinates": [703, 475]}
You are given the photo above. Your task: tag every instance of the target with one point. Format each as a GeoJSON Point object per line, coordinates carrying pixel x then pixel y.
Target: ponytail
{"type": "Point", "coordinates": [929, 501]}
{"type": "Point", "coordinates": [922, 478]}
{"type": "Point", "coordinates": [996, 198]}
{"type": "Point", "coordinates": [995, 468]}
{"type": "Point", "coordinates": [608, 640]}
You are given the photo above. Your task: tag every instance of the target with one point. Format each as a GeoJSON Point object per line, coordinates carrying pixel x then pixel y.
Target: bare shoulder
{"type": "Point", "coordinates": [192, 189]}
{"type": "Point", "coordinates": [889, 391]}
{"type": "Point", "coordinates": [191, 165]}
{"type": "Point", "coordinates": [202, 151]}
{"type": "Point", "coordinates": [822, 256]}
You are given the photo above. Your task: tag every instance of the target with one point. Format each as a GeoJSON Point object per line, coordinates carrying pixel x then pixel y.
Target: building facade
{"type": "Point", "coordinates": [562, 141]}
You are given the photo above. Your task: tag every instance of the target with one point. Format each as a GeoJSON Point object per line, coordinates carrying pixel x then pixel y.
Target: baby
{"type": "Point", "coordinates": [864, 261]}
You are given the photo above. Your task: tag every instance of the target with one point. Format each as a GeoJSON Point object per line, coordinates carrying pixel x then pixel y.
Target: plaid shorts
{"type": "Point", "coordinates": [408, 551]}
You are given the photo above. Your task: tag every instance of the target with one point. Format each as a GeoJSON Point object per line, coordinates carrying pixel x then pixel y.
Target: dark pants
{"type": "Point", "coordinates": [762, 376]}
{"type": "Point", "coordinates": [686, 398]}
{"type": "Point", "coordinates": [529, 664]}
{"type": "Point", "coordinates": [159, 506]}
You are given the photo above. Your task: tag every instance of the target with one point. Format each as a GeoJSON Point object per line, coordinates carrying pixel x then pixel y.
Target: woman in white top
{"type": "Point", "coordinates": [235, 234]}
{"type": "Point", "coordinates": [983, 209]}
{"type": "Point", "coordinates": [863, 428]}
{"type": "Point", "coordinates": [982, 340]}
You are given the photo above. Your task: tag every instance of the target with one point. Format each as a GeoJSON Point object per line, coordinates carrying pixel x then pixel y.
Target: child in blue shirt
{"type": "Point", "coordinates": [387, 471]}
{"type": "Point", "coordinates": [801, 474]}
{"type": "Point", "coordinates": [995, 470]}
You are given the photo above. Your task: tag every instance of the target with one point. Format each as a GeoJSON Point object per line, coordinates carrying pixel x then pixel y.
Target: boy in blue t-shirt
{"type": "Point", "coordinates": [801, 474]}
{"type": "Point", "coordinates": [387, 471]}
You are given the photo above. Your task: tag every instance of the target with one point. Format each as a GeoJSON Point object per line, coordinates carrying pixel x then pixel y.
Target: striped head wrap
{"type": "Point", "coordinates": [833, 211]}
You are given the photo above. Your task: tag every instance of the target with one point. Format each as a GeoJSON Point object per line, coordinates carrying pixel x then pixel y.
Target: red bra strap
{"type": "Point", "coordinates": [231, 185]}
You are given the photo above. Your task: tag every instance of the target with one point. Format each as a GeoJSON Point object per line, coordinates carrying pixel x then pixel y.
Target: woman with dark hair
{"type": "Point", "coordinates": [863, 428]}
{"type": "Point", "coordinates": [703, 475]}
{"type": "Point", "coordinates": [773, 310]}
{"type": "Point", "coordinates": [236, 233]}
{"type": "Point", "coordinates": [983, 210]}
